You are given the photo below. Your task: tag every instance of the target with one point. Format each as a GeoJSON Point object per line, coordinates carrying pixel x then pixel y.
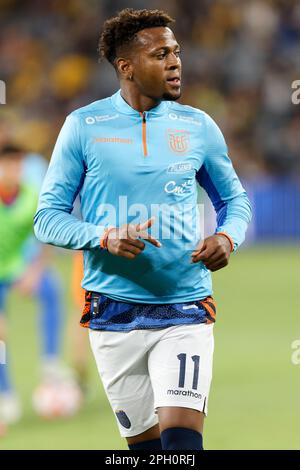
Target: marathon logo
{"type": "Point", "coordinates": [2, 92]}
{"type": "Point", "coordinates": [184, 393]}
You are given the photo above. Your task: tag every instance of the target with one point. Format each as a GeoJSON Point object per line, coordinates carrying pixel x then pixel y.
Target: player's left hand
{"type": "Point", "coordinates": [213, 251]}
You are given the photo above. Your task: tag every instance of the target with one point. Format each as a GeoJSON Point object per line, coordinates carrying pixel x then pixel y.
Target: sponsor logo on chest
{"type": "Point", "coordinates": [180, 167]}
{"type": "Point", "coordinates": [171, 187]}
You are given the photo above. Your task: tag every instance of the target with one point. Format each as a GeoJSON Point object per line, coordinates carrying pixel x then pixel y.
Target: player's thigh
{"type": "Point", "coordinates": [180, 368]}
{"type": "Point", "coordinates": [122, 364]}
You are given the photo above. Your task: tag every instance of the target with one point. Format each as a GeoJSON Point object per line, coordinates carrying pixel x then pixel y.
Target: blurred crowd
{"type": "Point", "coordinates": [240, 58]}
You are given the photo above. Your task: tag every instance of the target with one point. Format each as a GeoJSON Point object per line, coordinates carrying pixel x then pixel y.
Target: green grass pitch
{"type": "Point", "coordinates": [254, 401]}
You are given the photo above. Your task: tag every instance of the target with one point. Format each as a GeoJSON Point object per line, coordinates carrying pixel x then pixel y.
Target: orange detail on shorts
{"type": "Point", "coordinates": [144, 135]}
{"type": "Point", "coordinates": [210, 306]}
{"type": "Point", "coordinates": [85, 319]}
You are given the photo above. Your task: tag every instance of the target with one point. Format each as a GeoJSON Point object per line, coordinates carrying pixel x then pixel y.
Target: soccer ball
{"type": "Point", "coordinates": [57, 400]}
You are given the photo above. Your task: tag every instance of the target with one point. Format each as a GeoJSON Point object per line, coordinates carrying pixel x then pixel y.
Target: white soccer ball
{"type": "Point", "coordinates": [57, 400]}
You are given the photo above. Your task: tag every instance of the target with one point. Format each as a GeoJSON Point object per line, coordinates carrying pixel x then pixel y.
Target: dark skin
{"type": "Point", "coordinates": [145, 70]}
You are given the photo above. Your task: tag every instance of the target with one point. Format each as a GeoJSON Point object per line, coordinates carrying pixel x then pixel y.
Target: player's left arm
{"type": "Point", "coordinates": [220, 181]}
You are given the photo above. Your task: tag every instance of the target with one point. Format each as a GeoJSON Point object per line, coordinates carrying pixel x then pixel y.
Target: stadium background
{"type": "Point", "coordinates": [240, 59]}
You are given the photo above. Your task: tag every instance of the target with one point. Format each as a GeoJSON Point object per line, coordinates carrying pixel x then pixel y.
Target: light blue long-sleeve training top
{"type": "Point", "coordinates": [127, 166]}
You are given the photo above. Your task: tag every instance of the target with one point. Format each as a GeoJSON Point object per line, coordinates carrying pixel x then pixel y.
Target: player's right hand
{"type": "Point", "coordinates": [125, 240]}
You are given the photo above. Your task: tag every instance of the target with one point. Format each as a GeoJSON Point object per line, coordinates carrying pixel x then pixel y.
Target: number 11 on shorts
{"type": "Point", "coordinates": [182, 367]}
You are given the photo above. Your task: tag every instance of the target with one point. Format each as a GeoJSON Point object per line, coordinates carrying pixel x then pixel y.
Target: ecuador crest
{"type": "Point", "coordinates": [178, 140]}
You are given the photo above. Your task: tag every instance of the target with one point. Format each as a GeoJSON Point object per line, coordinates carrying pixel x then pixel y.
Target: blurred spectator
{"type": "Point", "coordinates": [239, 59]}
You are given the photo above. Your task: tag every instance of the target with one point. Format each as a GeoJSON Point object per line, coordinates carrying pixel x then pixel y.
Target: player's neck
{"type": "Point", "coordinates": [137, 101]}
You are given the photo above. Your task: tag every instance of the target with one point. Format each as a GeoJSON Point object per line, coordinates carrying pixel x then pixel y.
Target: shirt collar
{"type": "Point", "coordinates": [123, 107]}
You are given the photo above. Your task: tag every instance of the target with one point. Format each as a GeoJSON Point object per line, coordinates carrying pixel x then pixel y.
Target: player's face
{"type": "Point", "coordinates": [11, 170]}
{"type": "Point", "coordinates": [157, 65]}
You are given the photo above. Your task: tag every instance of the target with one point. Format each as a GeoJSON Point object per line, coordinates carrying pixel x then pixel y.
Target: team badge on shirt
{"type": "Point", "coordinates": [178, 140]}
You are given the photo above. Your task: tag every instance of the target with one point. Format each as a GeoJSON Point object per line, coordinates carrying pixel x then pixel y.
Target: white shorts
{"type": "Point", "coordinates": [142, 370]}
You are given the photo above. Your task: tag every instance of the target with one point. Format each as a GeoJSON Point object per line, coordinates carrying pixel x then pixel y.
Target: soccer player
{"type": "Point", "coordinates": [80, 346]}
{"type": "Point", "coordinates": [135, 159]}
{"type": "Point", "coordinates": [24, 266]}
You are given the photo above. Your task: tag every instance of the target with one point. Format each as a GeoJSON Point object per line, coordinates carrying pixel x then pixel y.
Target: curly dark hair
{"type": "Point", "coordinates": [121, 29]}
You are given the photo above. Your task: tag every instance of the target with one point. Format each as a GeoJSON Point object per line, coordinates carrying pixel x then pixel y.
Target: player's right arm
{"type": "Point", "coordinates": [53, 222]}
{"type": "Point", "coordinates": [126, 240]}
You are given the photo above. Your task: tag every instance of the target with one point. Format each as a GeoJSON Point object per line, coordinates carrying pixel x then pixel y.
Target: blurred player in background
{"type": "Point", "coordinates": [80, 344]}
{"type": "Point", "coordinates": [24, 266]}
{"type": "Point", "coordinates": [79, 339]}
